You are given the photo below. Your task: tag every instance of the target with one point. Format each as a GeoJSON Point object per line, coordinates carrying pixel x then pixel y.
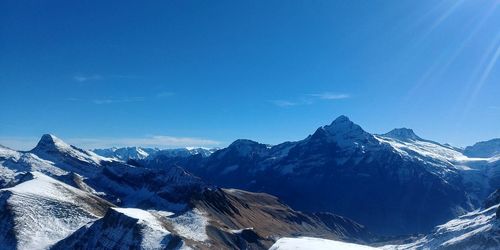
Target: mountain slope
{"type": "Point", "coordinates": [123, 228]}
{"type": "Point", "coordinates": [256, 219]}
{"type": "Point", "coordinates": [41, 210]}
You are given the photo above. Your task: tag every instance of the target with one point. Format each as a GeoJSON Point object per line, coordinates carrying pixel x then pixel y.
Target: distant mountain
{"type": "Point", "coordinates": [408, 184]}
{"type": "Point", "coordinates": [140, 153]}
{"type": "Point", "coordinates": [58, 196]}
{"type": "Point", "coordinates": [126, 153]}
{"type": "Point", "coordinates": [484, 149]}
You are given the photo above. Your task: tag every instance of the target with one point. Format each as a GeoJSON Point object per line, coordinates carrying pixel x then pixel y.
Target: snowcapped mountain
{"type": "Point", "coordinates": [67, 157]}
{"type": "Point", "coordinates": [126, 153]}
{"type": "Point", "coordinates": [387, 174]}
{"type": "Point", "coordinates": [140, 153]}
{"type": "Point", "coordinates": [58, 196]}
{"type": "Point", "coordinates": [184, 152]}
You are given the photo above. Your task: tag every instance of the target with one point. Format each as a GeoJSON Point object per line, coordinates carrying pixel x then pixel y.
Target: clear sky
{"type": "Point", "coordinates": [204, 73]}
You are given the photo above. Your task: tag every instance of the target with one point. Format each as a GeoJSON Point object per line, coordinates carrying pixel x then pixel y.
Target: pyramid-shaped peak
{"type": "Point", "coordinates": [343, 125]}
{"type": "Point", "coordinates": [342, 119]}
{"type": "Point", "coordinates": [402, 134]}
{"type": "Point", "coordinates": [51, 142]}
{"type": "Point", "coordinates": [344, 132]}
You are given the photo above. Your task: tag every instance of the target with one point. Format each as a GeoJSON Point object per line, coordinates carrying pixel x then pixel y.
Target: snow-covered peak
{"type": "Point", "coordinates": [50, 142]}
{"type": "Point", "coordinates": [126, 153]}
{"type": "Point", "coordinates": [65, 156]}
{"type": "Point", "coordinates": [402, 134]}
{"type": "Point", "coordinates": [345, 133]}
{"type": "Point", "coordinates": [343, 126]}
{"type": "Point", "coordinates": [484, 149]}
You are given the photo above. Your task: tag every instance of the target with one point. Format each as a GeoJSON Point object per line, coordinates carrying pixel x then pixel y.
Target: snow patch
{"type": "Point", "coordinates": [308, 243]}
{"type": "Point", "coordinates": [191, 225]}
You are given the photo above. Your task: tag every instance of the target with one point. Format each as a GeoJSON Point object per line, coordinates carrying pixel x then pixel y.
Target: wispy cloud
{"type": "Point", "coordinates": [120, 100]}
{"type": "Point", "coordinates": [85, 78]}
{"type": "Point", "coordinates": [330, 96]}
{"type": "Point", "coordinates": [164, 94]}
{"type": "Point", "coordinates": [113, 100]}
{"type": "Point", "coordinates": [308, 99]}
{"type": "Point", "coordinates": [160, 141]}
{"type": "Point", "coordinates": [97, 77]}
{"type": "Point", "coordinates": [283, 103]}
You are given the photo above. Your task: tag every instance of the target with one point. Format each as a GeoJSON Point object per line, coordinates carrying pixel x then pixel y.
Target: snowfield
{"type": "Point", "coordinates": [45, 211]}
{"type": "Point", "coordinates": [308, 243]}
{"type": "Point", "coordinates": [153, 232]}
{"type": "Point", "coordinates": [191, 224]}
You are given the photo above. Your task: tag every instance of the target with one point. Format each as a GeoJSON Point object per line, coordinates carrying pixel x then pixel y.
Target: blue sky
{"type": "Point", "coordinates": [186, 73]}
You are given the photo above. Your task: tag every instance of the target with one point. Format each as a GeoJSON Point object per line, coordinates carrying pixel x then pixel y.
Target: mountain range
{"type": "Point", "coordinates": [58, 196]}
{"type": "Point", "coordinates": [340, 183]}
{"type": "Point", "coordinates": [408, 184]}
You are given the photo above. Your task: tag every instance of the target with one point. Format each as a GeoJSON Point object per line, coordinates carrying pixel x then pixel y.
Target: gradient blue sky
{"type": "Point", "coordinates": [186, 73]}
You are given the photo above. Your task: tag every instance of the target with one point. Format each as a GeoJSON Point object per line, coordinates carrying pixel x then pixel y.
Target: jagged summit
{"type": "Point", "coordinates": [49, 142]}
{"type": "Point", "coordinates": [403, 134]}
{"type": "Point", "coordinates": [74, 159]}
{"type": "Point", "coordinates": [344, 132]}
{"type": "Point", "coordinates": [343, 125]}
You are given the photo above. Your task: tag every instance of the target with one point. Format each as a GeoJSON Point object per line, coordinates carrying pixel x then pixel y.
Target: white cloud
{"type": "Point", "coordinates": [121, 100]}
{"type": "Point", "coordinates": [164, 94]}
{"type": "Point", "coordinates": [160, 141]}
{"type": "Point", "coordinates": [330, 96]}
{"type": "Point", "coordinates": [310, 99]}
{"type": "Point", "coordinates": [84, 78]}
{"type": "Point", "coordinates": [283, 103]}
